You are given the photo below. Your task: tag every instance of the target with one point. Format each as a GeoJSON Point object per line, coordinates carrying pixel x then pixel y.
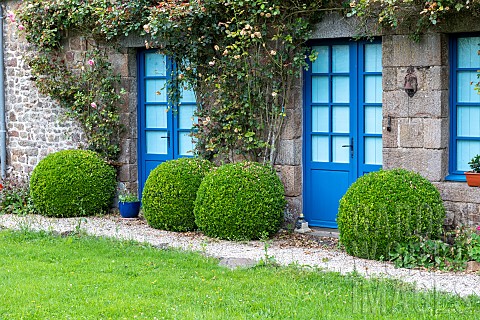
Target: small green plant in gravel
{"type": "Point", "coordinates": [15, 197]}
{"type": "Point", "coordinates": [474, 248]}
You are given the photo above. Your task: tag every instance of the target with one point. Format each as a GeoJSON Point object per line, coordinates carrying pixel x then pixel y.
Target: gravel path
{"type": "Point", "coordinates": [333, 260]}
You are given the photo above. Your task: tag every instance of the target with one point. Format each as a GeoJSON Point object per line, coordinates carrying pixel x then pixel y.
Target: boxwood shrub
{"type": "Point", "coordinates": [240, 201]}
{"type": "Point", "coordinates": [170, 191]}
{"type": "Point", "coordinates": [72, 183]}
{"type": "Point", "coordinates": [387, 207]}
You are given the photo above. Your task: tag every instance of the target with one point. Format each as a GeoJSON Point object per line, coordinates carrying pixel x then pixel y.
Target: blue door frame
{"type": "Point", "coordinates": [342, 124]}
{"type": "Point", "coordinates": [163, 128]}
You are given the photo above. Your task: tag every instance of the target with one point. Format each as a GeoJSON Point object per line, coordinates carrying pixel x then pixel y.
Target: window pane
{"type": "Point", "coordinates": [373, 89]}
{"type": "Point", "coordinates": [373, 150]}
{"type": "Point", "coordinates": [155, 65]}
{"type": "Point", "coordinates": [188, 95]}
{"type": "Point", "coordinates": [320, 120]}
{"type": "Point", "coordinates": [321, 64]}
{"type": "Point", "coordinates": [468, 121]}
{"type": "Point", "coordinates": [465, 87]}
{"type": "Point", "coordinates": [466, 150]}
{"type": "Point", "coordinates": [186, 119]}
{"type": "Point", "coordinates": [156, 116]}
{"type": "Point", "coordinates": [320, 149]}
{"type": "Point", "coordinates": [341, 154]}
{"type": "Point", "coordinates": [373, 119]}
{"type": "Point", "coordinates": [468, 52]}
{"type": "Point", "coordinates": [341, 89]}
{"type": "Point", "coordinates": [320, 89]}
{"type": "Point", "coordinates": [373, 57]}
{"type": "Point", "coordinates": [341, 119]}
{"type": "Point", "coordinates": [185, 144]}
{"type": "Point", "coordinates": [340, 59]}
{"type": "Point", "coordinates": [156, 90]}
{"type": "Point", "coordinates": [156, 142]}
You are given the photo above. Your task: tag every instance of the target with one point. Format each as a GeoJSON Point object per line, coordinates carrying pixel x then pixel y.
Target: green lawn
{"type": "Point", "coordinates": [48, 277]}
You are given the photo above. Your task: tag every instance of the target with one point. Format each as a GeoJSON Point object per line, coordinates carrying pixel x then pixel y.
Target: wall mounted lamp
{"type": "Point", "coordinates": [410, 85]}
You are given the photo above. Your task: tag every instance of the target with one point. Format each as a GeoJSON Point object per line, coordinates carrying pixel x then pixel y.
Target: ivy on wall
{"type": "Point", "coordinates": [88, 89]}
{"type": "Point", "coordinates": [242, 58]}
{"type": "Point", "coordinates": [415, 15]}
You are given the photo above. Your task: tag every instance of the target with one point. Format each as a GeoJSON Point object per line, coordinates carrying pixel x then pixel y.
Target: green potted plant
{"type": "Point", "coordinates": [473, 177]}
{"type": "Point", "coordinates": [128, 204]}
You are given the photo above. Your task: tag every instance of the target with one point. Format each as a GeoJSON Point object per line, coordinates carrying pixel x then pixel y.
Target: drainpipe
{"type": "Point", "coordinates": [3, 131]}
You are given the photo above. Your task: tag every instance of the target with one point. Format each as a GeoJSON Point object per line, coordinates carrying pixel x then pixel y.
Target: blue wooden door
{"type": "Point", "coordinates": [342, 124]}
{"type": "Point", "coordinates": [164, 128]}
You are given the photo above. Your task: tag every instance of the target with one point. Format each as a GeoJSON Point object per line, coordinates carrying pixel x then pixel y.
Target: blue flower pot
{"type": "Point", "coordinates": [129, 209]}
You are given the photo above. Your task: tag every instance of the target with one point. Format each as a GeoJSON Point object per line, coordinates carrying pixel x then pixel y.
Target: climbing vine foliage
{"type": "Point", "coordinates": [414, 15]}
{"type": "Point", "coordinates": [242, 58]}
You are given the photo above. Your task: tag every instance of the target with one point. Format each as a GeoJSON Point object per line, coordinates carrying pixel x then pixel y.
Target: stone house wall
{"type": "Point", "coordinates": [418, 139]}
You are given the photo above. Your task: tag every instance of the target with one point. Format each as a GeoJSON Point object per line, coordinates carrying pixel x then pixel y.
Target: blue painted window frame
{"type": "Point", "coordinates": [454, 173]}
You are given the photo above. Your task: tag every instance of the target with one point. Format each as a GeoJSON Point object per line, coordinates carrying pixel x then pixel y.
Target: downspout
{"type": "Point", "coordinates": [3, 131]}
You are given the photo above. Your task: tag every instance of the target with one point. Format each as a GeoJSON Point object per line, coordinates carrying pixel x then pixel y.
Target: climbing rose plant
{"type": "Point", "coordinates": [242, 58]}
{"type": "Point", "coordinates": [416, 15]}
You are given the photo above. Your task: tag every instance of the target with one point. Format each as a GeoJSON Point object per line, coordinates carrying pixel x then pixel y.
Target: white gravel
{"type": "Point", "coordinates": [456, 283]}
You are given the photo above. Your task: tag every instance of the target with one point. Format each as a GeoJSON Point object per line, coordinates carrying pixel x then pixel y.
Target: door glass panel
{"type": "Point", "coordinates": [373, 57]}
{"type": "Point", "coordinates": [466, 150]}
{"type": "Point", "coordinates": [320, 89]}
{"type": "Point", "coordinates": [156, 116]}
{"type": "Point", "coordinates": [186, 119]}
{"type": "Point", "coordinates": [373, 89]}
{"type": "Point", "coordinates": [340, 59]}
{"type": "Point", "coordinates": [155, 65]}
{"type": "Point", "coordinates": [340, 89]}
{"type": "Point", "coordinates": [188, 95]}
{"type": "Point", "coordinates": [340, 154]}
{"type": "Point", "coordinates": [321, 63]}
{"type": "Point", "coordinates": [320, 149]}
{"type": "Point", "coordinates": [185, 144]}
{"type": "Point", "coordinates": [156, 142]}
{"type": "Point", "coordinates": [468, 121]}
{"type": "Point", "coordinates": [341, 119]}
{"type": "Point", "coordinates": [373, 119]}
{"type": "Point", "coordinates": [373, 150]}
{"type": "Point", "coordinates": [465, 90]}
{"type": "Point", "coordinates": [467, 52]}
{"type": "Point", "coordinates": [155, 90]}
{"type": "Point", "coordinates": [320, 119]}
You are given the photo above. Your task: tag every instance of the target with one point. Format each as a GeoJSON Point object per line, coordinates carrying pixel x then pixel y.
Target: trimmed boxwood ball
{"type": "Point", "coordinates": [72, 183]}
{"type": "Point", "coordinates": [387, 207]}
{"type": "Point", "coordinates": [240, 201]}
{"type": "Point", "coordinates": [170, 191]}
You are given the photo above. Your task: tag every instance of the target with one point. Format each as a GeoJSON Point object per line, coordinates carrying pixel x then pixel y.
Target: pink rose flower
{"type": "Point", "coordinates": [91, 62]}
{"type": "Point", "coordinates": [478, 228]}
{"type": "Point", "coordinates": [93, 105]}
{"type": "Point", "coordinates": [20, 27]}
{"type": "Point", "coordinates": [11, 16]}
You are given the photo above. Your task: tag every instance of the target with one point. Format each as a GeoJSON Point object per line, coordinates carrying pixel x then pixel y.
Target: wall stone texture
{"type": "Point", "coordinates": [418, 139]}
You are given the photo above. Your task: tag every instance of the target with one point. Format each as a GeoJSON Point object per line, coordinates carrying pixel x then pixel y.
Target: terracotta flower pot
{"type": "Point", "coordinates": [473, 179]}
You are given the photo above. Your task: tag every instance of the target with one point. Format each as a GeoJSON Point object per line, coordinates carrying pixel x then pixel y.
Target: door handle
{"type": "Point", "coordinates": [168, 139]}
{"type": "Point", "coordinates": [350, 146]}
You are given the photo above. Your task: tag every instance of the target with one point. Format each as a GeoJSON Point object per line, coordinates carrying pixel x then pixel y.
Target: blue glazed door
{"type": "Point", "coordinates": [163, 129]}
{"type": "Point", "coordinates": [342, 124]}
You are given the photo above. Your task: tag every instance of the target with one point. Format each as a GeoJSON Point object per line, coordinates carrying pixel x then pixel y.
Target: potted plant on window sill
{"type": "Point", "coordinates": [473, 177]}
{"type": "Point", "coordinates": [128, 205]}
